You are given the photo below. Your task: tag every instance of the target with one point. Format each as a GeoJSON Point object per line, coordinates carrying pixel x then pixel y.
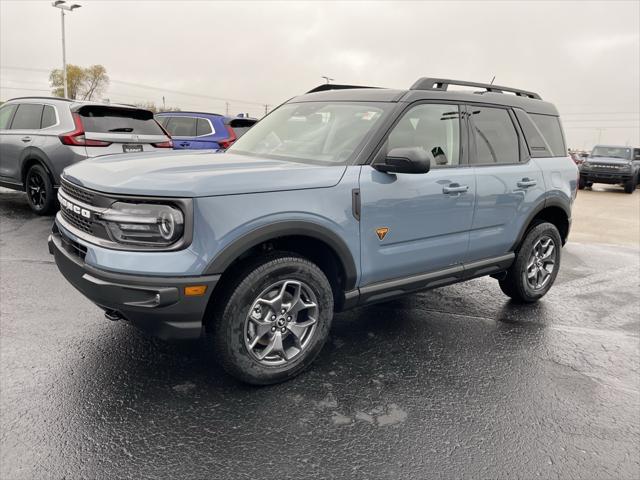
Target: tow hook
{"type": "Point", "coordinates": [113, 315]}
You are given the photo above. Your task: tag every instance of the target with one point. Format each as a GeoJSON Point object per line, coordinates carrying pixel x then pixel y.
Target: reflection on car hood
{"type": "Point", "coordinates": [197, 174]}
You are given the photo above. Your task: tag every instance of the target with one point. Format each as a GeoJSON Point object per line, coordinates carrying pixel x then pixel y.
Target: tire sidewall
{"type": "Point", "coordinates": [39, 170]}
{"type": "Point", "coordinates": [230, 325]}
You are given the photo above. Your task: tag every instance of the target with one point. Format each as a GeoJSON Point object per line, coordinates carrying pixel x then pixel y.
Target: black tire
{"type": "Point", "coordinates": [515, 284]}
{"type": "Point", "coordinates": [39, 188]}
{"type": "Point", "coordinates": [236, 303]}
{"type": "Point", "coordinates": [630, 186]}
{"type": "Point", "coordinates": [588, 184]}
{"type": "Point", "coordinates": [581, 184]}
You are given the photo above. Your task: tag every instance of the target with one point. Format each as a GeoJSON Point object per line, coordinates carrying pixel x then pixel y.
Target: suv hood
{"type": "Point", "coordinates": [197, 174]}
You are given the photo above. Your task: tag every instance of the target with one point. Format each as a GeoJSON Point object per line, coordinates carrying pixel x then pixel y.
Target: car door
{"type": "Point", "coordinates": [509, 184]}
{"type": "Point", "coordinates": [418, 223]}
{"type": "Point", "coordinates": [22, 134]}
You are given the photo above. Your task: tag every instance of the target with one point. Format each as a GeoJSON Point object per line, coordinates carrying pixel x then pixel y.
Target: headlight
{"type": "Point", "coordinates": [144, 223]}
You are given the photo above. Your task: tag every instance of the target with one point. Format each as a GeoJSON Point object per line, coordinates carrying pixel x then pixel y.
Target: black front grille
{"type": "Point", "coordinates": [78, 193]}
{"type": "Point", "coordinates": [78, 221]}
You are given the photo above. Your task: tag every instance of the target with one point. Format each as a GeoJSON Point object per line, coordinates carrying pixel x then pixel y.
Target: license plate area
{"type": "Point", "coordinates": [131, 148]}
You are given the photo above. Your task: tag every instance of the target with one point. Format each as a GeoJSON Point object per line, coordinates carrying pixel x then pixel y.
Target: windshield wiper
{"type": "Point", "coordinates": [122, 129]}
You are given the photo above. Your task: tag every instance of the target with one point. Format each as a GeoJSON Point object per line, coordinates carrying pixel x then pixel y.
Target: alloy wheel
{"type": "Point", "coordinates": [281, 322]}
{"type": "Point", "coordinates": [37, 190]}
{"type": "Point", "coordinates": [542, 262]}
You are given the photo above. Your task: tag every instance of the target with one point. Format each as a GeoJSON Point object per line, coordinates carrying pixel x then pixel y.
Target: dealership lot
{"type": "Point", "coordinates": [449, 383]}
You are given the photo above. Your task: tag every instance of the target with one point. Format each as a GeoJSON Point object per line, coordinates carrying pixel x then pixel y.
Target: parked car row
{"type": "Point", "coordinates": [41, 136]}
{"type": "Point", "coordinates": [341, 197]}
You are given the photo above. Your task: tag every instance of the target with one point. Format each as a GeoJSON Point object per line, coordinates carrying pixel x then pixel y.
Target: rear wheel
{"type": "Point", "coordinates": [581, 184]}
{"type": "Point", "coordinates": [536, 264]}
{"type": "Point", "coordinates": [39, 188]}
{"type": "Point", "coordinates": [273, 319]}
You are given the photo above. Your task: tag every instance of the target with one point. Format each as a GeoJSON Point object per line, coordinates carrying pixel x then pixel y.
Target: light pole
{"type": "Point", "coordinates": [329, 80]}
{"type": "Point", "coordinates": [62, 5]}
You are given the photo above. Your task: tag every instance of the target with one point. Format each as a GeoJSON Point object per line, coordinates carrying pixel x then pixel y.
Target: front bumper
{"type": "Point", "coordinates": [612, 178]}
{"type": "Point", "coordinates": [156, 305]}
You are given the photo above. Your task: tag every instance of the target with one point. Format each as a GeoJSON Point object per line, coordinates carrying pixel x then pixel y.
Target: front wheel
{"type": "Point", "coordinates": [273, 319]}
{"type": "Point", "coordinates": [536, 264]}
{"type": "Point", "coordinates": [630, 186]}
{"type": "Point", "coordinates": [39, 190]}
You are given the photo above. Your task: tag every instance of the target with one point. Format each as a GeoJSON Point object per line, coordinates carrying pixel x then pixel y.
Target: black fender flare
{"type": "Point", "coordinates": [32, 153]}
{"type": "Point", "coordinates": [548, 202]}
{"type": "Point", "coordinates": [284, 229]}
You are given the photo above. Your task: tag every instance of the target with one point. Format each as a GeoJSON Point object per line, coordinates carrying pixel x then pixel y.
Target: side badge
{"type": "Point", "coordinates": [382, 232]}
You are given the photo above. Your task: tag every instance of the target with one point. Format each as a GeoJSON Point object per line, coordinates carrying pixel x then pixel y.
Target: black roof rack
{"type": "Point", "coordinates": [426, 83]}
{"type": "Point", "coordinates": [334, 86]}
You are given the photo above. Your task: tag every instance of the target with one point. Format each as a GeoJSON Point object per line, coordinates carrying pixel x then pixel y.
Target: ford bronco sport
{"type": "Point", "coordinates": [341, 197]}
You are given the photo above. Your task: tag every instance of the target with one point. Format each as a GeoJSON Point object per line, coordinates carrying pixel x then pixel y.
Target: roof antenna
{"type": "Point", "coordinates": [491, 83]}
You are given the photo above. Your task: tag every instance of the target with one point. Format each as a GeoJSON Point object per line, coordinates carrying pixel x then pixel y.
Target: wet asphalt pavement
{"type": "Point", "coordinates": [453, 383]}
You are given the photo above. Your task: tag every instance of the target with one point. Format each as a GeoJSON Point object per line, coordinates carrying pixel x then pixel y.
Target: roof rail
{"type": "Point", "coordinates": [426, 83]}
{"type": "Point", "coordinates": [334, 86]}
{"type": "Point", "coordinates": [41, 97]}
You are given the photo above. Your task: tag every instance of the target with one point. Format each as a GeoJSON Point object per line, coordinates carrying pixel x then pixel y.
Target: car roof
{"type": "Point", "coordinates": [74, 104]}
{"type": "Point", "coordinates": [433, 89]}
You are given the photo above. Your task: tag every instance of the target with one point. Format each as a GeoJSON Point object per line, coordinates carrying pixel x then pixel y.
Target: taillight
{"type": "Point", "coordinates": [76, 136]}
{"type": "Point", "coordinates": [227, 142]}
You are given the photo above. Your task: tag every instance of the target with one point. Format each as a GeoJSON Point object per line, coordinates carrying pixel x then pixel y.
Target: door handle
{"type": "Point", "coordinates": [526, 183]}
{"type": "Point", "coordinates": [185, 144]}
{"type": "Point", "coordinates": [455, 188]}
{"type": "Point", "coordinates": [26, 139]}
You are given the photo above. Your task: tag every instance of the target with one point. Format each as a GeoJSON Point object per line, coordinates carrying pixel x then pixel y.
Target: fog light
{"type": "Point", "coordinates": [195, 290]}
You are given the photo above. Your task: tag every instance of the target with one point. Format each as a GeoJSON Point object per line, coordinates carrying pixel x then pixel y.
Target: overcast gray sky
{"type": "Point", "coordinates": [582, 55]}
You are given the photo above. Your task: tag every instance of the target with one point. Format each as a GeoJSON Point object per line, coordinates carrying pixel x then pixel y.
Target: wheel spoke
{"type": "Point", "coordinates": [548, 250]}
{"type": "Point", "coordinates": [274, 346]}
{"type": "Point", "coordinates": [261, 329]}
{"type": "Point", "coordinates": [299, 328]}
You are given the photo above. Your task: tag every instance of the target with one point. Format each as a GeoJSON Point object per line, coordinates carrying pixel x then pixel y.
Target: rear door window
{"type": "Point", "coordinates": [495, 136]}
{"type": "Point", "coordinates": [48, 117]}
{"type": "Point", "coordinates": [6, 112]}
{"type": "Point", "coordinates": [182, 127]}
{"type": "Point", "coordinates": [99, 119]}
{"type": "Point", "coordinates": [203, 127]}
{"type": "Point", "coordinates": [27, 117]}
{"type": "Point", "coordinates": [550, 128]}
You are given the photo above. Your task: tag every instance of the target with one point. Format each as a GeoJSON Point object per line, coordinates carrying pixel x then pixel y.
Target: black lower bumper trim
{"type": "Point", "coordinates": [155, 304]}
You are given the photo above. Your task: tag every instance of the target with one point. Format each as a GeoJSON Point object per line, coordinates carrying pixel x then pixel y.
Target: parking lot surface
{"type": "Point", "coordinates": [453, 383]}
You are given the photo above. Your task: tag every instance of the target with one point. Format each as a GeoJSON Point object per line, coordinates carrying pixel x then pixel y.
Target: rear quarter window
{"type": "Point", "coordinates": [6, 112]}
{"type": "Point", "coordinates": [99, 119]}
{"type": "Point", "coordinates": [549, 127]}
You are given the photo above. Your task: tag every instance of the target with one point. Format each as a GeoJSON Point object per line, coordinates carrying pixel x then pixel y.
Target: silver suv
{"type": "Point", "coordinates": [40, 136]}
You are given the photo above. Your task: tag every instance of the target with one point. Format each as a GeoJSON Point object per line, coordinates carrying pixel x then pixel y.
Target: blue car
{"type": "Point", "coordinates": [199, 130]}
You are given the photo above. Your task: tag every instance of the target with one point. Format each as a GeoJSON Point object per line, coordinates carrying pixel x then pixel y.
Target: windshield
{"type": "Point", "coordinates": [614, 152]}
{"type": "Point", "coordinates": [314, 132]}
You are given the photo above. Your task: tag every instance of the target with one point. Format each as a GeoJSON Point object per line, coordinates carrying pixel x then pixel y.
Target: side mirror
{"type": "Point", "coordinates": [405, 160]}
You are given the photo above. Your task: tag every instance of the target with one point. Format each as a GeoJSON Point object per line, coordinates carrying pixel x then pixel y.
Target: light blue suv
{"type": "Point", "coordinates": [341, 197]}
